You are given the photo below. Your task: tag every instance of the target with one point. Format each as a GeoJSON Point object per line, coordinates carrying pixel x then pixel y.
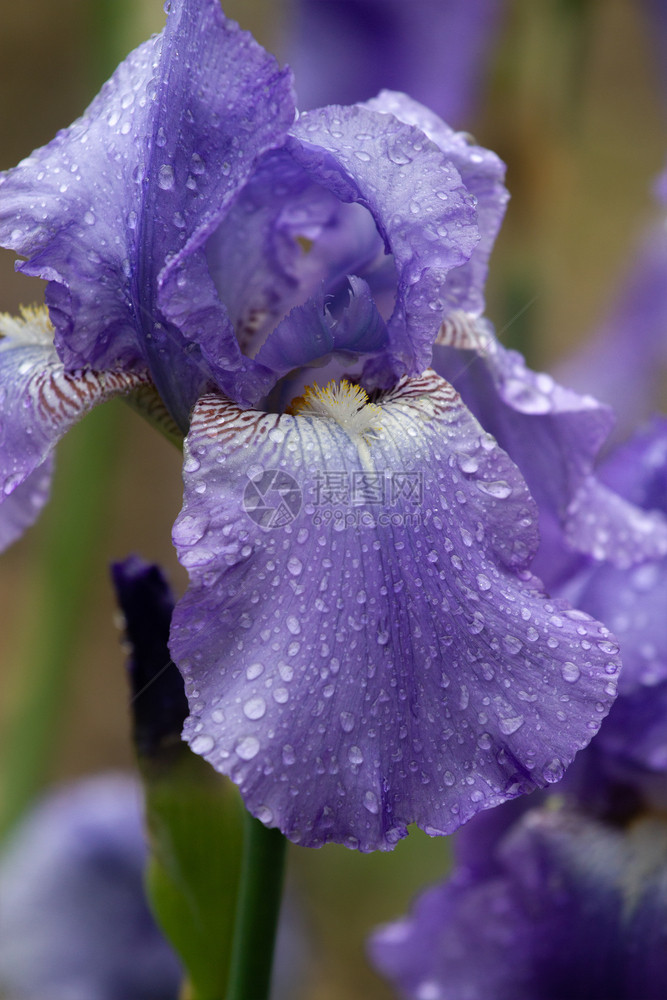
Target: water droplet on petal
{"type": "Point", "coordinates": [254, 708]}
{"type": "Point", "coordinates": [295, 566]}
{"type": "Point", "coordinates": [346, 722]}
{"type": "Point", "coordinates": [512, 644]}
{"type": "Point", "coordinates": [499, 489]}
{"type": "Point", "coordinates": [202, 744]}
{"type": "Point", "coordinates": [371, 803]}
{"type": "Point", "coordinates": [165, 177]}
{"type": "Point", "coordinates": [264, 814]}
{"type": "Point", "coordinates": [553, 771]}
{"type": "Point", "coordinates": [570, 672]}
{"type": "Point", "coordinates": [510, 725]}
{"type": "Point", "coordinates": [247, 748]}
{"type": "Point", "coordinates": [293, 624]}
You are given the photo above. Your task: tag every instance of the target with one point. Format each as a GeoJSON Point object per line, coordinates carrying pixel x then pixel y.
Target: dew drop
{"type": "Point", "coordinates": [247, 748]}
{"type": "Point", "coordinates": [511, 725]}
{"type": "Point", "coordinates": [512, 644]}
{"type": "Point", "coordinates": [498, 489]}
{"type": "Point", "coordinates": [346, 722]}
{"type": "Point", "coordinates": [188, 530]}
{"type": "Point", "coordinates": [254, 708]}
{"type": "Point", "coordinates": [468, 463]}
{"type": "Point", "coordinates": [570, 672]}
{"type": "Point", "coordinates": [264, 814]}
{"type": "Point", "coordinates": [371, 803]}
{"type": "Point", "coordinates": [202, 744]}
{"type": "Point", "coordinates": [295, 567]}
{"type": "Point", "coordinates": [293, 624]}
{"type": "Point", "coordinates": [165, 177]}
{"type": "Point", "coordinates": [553, 771]}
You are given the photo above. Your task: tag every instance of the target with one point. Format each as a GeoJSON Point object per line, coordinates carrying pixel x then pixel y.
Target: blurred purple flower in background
{"type": "Point", "coordinates": [363, 642]}
{"type": "Point", "coordinates": [435, 50]}
{"type": "Point", "coordinates": [564, 905]}
{"type": "Point", "coordinates": [74, 922]}
{"type": "Point", "coordinates": [632, 744]}
{"type": "Point", "coordinates": [570, 898]}
{"type": "Point", "coordinates": [624, 362]}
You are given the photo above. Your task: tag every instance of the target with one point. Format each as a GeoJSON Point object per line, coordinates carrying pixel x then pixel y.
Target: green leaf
{"type": "Point", "coordinates": [195, 825]}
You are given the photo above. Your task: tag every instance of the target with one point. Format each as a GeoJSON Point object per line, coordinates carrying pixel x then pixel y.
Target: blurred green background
{"type": "Point", "coordinates": [573, 105]}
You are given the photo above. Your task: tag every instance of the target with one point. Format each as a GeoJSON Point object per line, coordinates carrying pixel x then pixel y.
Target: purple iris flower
{"type": "Point", "coordinates": [74, 921]}
{"type": "Point", "coordinates": [563, 905]}
{"type": "Point", "coordinates": [363, 643]}
{"type": "Point", "coordinates": [631, 747]}
{"type": "Point", "coordinates": [570, 899]}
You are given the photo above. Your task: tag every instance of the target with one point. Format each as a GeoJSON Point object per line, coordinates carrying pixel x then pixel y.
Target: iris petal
{"type": "Point", "coordinates": [40, 402]}
{"type": "Point", "coordinates": [360, 662]}
{"type": "Point", "coordinates": [115, 210]}
{"type": "Point", "coordinates": [422, 210]}
{"type": "Point", "coordinates": [483, 174]}
{"type": "Point", "coordinates": [554, 435]}
{"type": "Point", "coordinates": [310, 332]}
{"type": "Point", "coordinates": [23, 506]}
{"type": "Point", "coordinates": [574, 908]}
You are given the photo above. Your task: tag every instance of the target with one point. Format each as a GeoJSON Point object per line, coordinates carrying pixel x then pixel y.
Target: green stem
{"type": "Point", "coordinates": [257, 911]}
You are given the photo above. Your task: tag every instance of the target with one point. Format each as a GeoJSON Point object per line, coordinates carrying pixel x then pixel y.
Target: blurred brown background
{"type": "Point", "coordinates": [580, 124]}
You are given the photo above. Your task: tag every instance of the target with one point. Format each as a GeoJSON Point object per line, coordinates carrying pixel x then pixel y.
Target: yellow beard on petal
{"type": "Point", "coordinates": [344, 402]}
{"type": "Point", "coordinates": [33, 326]}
